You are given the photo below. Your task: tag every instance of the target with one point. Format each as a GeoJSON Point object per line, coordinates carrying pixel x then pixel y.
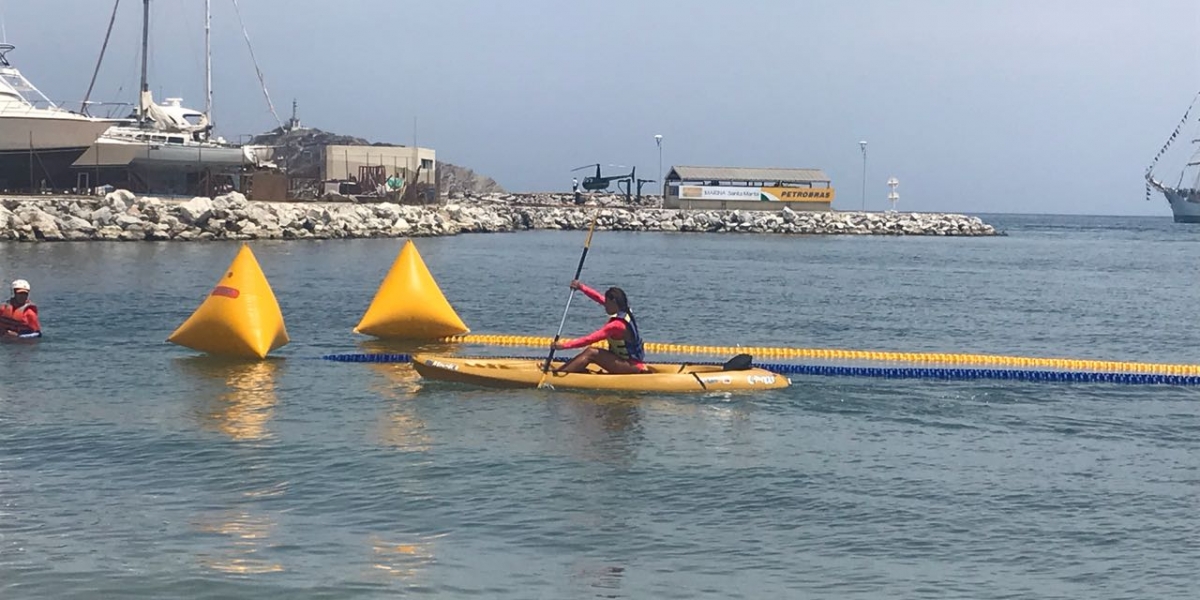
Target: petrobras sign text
{"type": "Point", "coordinates": [797, 194]}
{"type": "Point", "coordinates": [765, 194]}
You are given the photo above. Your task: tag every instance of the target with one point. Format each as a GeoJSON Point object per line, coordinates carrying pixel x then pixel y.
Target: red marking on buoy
{"type": "Point", "coordinates": [228, 292]}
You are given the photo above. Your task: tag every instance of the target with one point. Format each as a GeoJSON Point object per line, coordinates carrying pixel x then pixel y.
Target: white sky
{"type": "Point", "coordinates": [1032, 106]}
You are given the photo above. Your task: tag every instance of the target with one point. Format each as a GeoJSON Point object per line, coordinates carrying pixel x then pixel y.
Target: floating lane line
{"type": "Point", "coordinates": [888, 372]}
{"type": "Point", "coordinates": [835, 354]}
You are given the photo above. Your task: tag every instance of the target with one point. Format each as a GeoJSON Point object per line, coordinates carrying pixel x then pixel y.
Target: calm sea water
{"type": "Point", "coordinates": [133, 468]}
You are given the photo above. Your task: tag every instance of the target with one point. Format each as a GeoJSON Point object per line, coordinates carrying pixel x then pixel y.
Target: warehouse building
{"type": "Point", "coordinates": [744, 188]}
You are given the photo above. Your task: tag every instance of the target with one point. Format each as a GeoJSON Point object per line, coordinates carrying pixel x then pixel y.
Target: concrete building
{"type": "Point", "coordinates": [348, 162]}
{"type": "Point", "coordinates": [729, 188]}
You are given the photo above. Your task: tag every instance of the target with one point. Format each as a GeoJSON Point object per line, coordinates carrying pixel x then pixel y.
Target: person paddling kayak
{"type": "Point", "coordinates": [18, 316]}
{"type": "Point", "coordinates": [624, 354]}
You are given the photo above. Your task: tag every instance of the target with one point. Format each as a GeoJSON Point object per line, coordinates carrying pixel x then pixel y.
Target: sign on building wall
{"type": "Point", "coordinates": [766, 194]}
{"type": "Point", "coordinates": [706, 192]}
{"type": "Point", "coordinates": [797, 194]}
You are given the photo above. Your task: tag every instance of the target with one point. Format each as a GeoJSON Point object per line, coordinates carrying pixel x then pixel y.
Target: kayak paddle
{"type": "Point", "coordinates": [578, 271]}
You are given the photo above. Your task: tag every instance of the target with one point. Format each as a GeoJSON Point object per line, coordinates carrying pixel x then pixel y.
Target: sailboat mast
{"type": "Point", "coordinates": [208, 95]}
{"type": "Point", "coordinates": [145, 61]}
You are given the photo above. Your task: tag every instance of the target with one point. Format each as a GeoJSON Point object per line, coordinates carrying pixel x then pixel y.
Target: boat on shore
{"type": "Point", "coordinates": [167, 147]}
{"type": "Point", "coordinates": [166, 139]}
{"type": "Point", "coordinates": [662, 377]}
{"type": "Point", "coordinates": [38, 140]}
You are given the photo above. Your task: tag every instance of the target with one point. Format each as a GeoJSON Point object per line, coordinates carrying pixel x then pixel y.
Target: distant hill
{"type": "Point", "coordinates": [300, 152]}
{"type": "Point", "coordinates": [454, 179]}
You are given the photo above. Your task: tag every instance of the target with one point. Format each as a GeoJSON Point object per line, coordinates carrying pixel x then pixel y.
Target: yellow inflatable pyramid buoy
{"type": "Point", "coordinates": [409, 304]}
{"type": "Point", "coordinates": [240, 317]}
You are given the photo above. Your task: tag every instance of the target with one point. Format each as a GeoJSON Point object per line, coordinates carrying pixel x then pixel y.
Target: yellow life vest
{"type": "Point", "coordinates": [629, 348]}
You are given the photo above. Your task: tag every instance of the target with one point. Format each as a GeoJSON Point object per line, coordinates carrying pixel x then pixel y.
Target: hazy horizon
{"type": "Point", "coordinates": [982, 107]}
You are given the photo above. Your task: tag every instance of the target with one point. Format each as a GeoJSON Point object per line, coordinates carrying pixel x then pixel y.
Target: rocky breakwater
{"type": "Point", "coordinates": [784, 221]}
{"type": "Point", "coordinates": [122, 217]}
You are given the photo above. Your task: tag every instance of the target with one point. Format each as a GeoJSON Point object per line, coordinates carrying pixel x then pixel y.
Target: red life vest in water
{"type": "Point", "coordinates": [22, 320]}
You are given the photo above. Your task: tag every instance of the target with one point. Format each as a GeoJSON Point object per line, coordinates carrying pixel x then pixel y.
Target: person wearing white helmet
{"type": "Point", "coordinates": [18, 316]}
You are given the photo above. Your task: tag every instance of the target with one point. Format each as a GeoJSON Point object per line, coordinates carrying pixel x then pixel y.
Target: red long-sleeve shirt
{"type": "Point", "coordinates": [614, 329]}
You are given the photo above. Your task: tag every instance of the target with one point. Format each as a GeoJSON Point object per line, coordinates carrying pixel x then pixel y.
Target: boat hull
{"type": "Point", "coordinates": [119, 153]}
{"type": "Point", "coordinates": [663, 378]}
{"type": "Point", "coordinates": [51, 168]}
{"type": "Point", "coordinates": [57, 131]}
{"type": "Point", "coordinates": [160, 168]}
{"type": "Point", "coordinates": [37, 152]}
{"type": "Point", "coordinates": [1184, 206]}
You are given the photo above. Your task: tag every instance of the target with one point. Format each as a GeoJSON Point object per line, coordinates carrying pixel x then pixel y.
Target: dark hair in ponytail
{"type": "Point", "coordinates": [617, 295]}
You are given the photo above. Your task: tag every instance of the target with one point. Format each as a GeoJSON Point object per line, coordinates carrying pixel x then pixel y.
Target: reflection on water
{"type": "Point", "coordinates": [400, 426]}
{"type": "Point", "coordinates": [21, 363]}
{"type": "Point", "coordinates": [610, 428]}
{"type": "Point", "coordinates": [604, 580]}
{"type": "Point", "coordinates": [235, 398]}
{"type": "Point", "coordinates": [399, 381]}
{"type": "Point", "coordinates": [248, 534]}
{"type": "Point", "coordinates": [609, 413]}
{"type": "Point", "coordinates": [403, 560]}
{"type": "Point", "coordinates": [378, 346]}
{"type": "Point", "coordinates": [605, 428]}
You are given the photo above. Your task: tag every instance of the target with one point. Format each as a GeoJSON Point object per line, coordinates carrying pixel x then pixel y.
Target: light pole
{"type": "Point", "coordinates": [658, 141]}
{"type": "Point", "coordinates": [863, 145]}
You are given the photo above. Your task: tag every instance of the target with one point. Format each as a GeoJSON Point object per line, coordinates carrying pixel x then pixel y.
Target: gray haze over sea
{"type": "Point", "coordinates": [133, 468]}
{"type": "Point", "coordinates": [523, 92]}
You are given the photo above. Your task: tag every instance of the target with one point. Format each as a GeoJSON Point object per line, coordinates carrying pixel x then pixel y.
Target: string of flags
{"type": "Point", "coordinates": [1167, 145]}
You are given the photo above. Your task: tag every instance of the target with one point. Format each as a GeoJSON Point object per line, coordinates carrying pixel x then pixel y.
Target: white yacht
{"type": "Point", "coordinates": [172, 137]}
{"type": "Point", "coordinates": [38, 140]}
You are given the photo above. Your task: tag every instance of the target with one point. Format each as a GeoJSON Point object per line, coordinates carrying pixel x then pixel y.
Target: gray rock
{"type": "Point", "coordinates": [127, 222]}
{"type": "Point", "coordinates": [119, 200]}
{"type": "Point", "coordinates": [73, 223]}
{"type": "Point", "coordinates": [109, 232]}
{"type": "Point", "coordinates": [195, 211]}
{"type": "Point", "coordinates": [101, 216]}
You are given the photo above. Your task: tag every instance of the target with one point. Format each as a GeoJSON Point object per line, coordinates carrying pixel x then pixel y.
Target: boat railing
{"type": "Point", "coordinates": [25, 108]}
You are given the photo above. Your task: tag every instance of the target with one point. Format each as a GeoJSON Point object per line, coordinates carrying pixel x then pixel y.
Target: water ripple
{"type": "Point", "coordinates": [135, 470]}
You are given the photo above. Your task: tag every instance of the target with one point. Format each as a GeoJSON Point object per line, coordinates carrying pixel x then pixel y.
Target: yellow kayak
{"type": "Point", "coordinates": [663, 377]}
